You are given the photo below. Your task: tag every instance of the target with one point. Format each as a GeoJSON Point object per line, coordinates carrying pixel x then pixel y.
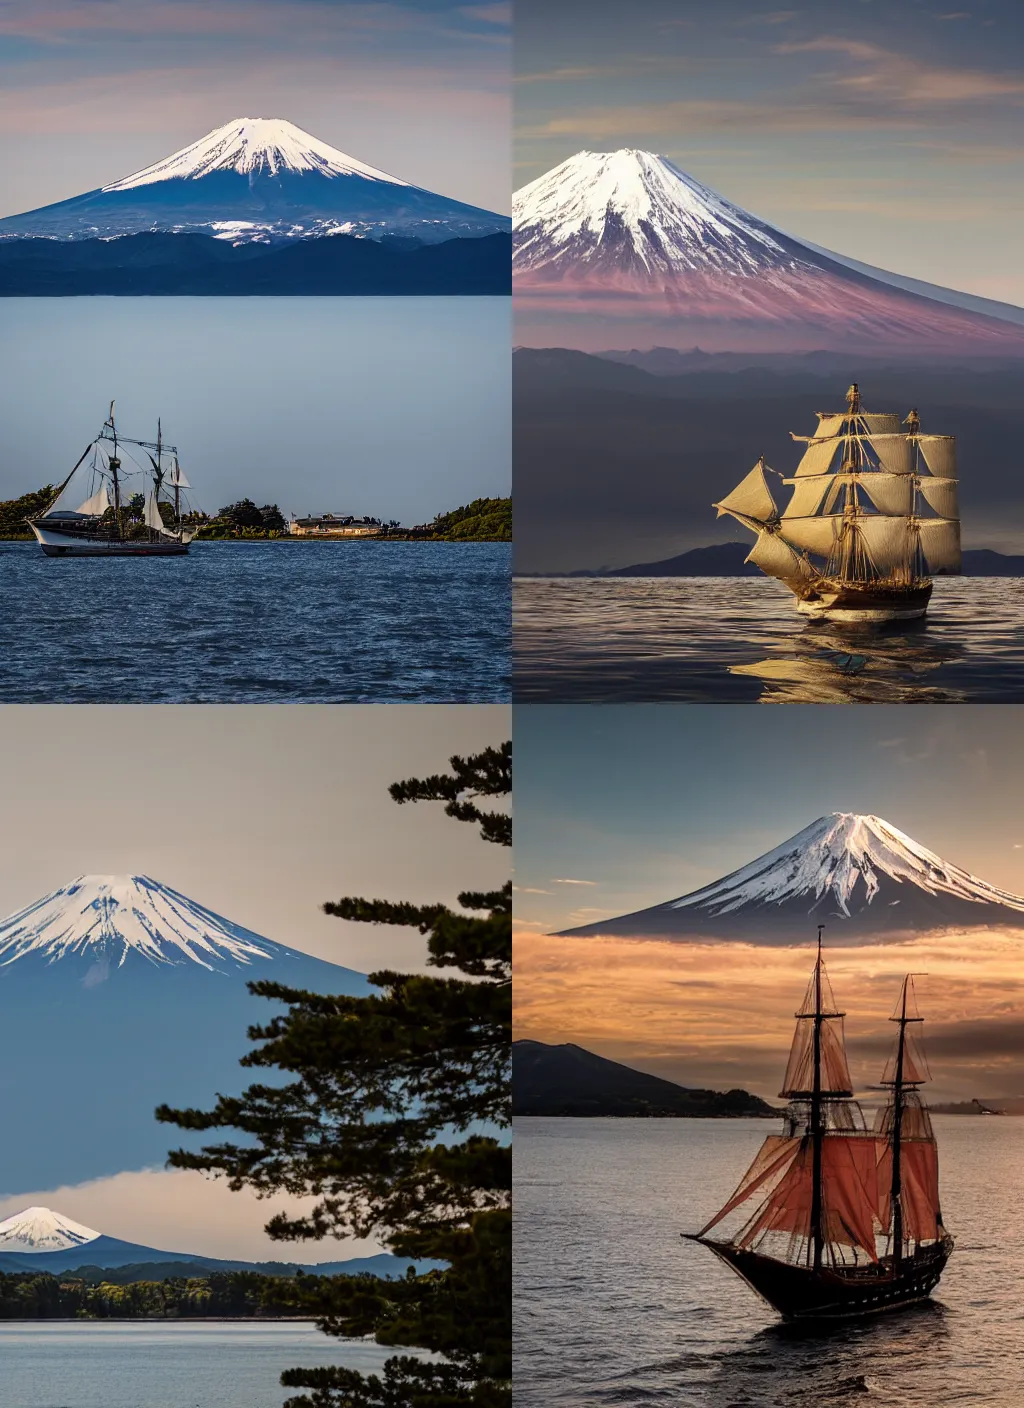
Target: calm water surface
{"type": "Point", "coordinates": [739, 640]}
{"type": "Point", "coordinates": [95, 1365]}
{"type": "Point", "coordinates": [258, 623]}
{"type": "Point", "coordinates": [613, 1307]}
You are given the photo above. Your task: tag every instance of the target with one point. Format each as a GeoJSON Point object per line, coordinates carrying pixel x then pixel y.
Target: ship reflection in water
{"type": "Point", "coordinates": [738, 640]}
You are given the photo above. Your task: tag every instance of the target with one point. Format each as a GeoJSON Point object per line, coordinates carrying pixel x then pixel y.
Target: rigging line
{"type": "Point", "coordinates": [67, 481]}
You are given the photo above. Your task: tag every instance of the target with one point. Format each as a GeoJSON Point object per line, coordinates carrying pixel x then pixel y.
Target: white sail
{"type": "Point", "coordinates": [807, 495]}
{"type": "Point", "coordinates": [751, 497]}
{"type": "Point", "coordinates": [895, 453]}
{"type": "Point", "coordinates": [815, 534]}
{"type": "Point", "coordinates": [890, 493]}
{"type": "Point", "coordinates": [880, 423]}
{"type": "Point", "coordinates": [775, 556]}
{"type": "Point", "coordinates": [940, 495]}
{"type": "Point", "coordinates": [940, 454]}
{"type": "Point", "coordinates": [817, 457]}
{"type": "Point", "coordinates": [153, 518]}
{"type": "Point", "coordinates": [98, 504]}
{"type": "Point", "coordinates": [940, 543]}
{"type": "Point", "coordinates": [177, 479]}
{"type": "Point", "coordinates": [890, 542]}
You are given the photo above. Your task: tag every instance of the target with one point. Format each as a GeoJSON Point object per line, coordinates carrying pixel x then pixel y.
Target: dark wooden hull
{"type": "Point", "coordinates": [869, 602]}
{"type": "Point", "coordinates": [800, 1293]}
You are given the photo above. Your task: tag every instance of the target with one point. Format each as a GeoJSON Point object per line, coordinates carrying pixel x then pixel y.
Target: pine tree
{"type": "Point", "coordinates": [386, 1120]}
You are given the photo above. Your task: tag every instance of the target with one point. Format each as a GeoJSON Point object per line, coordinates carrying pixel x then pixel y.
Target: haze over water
{"type": "Point", "coordinates": [612, 1307]}
{"type": "Point", "coordinates": [739, 640]}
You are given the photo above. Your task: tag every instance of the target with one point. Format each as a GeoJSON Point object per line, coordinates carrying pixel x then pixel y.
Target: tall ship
{"type": "Point", "coordinates": [872, 519]}
{"type": "Point", "coordinates": [834, 1219]}
{"type": "Point", "coordinates": [126, 511]}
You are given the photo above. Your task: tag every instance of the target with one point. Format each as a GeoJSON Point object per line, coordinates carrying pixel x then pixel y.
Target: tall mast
{"type": "Point", "coordinates": [115, 465]}
{"type": "Point", "coordinates": [159, 467]}
{"type": "Point", "coordinates": [817, 1240]}
{"type": "Point", "coordinates": [896, 1191]}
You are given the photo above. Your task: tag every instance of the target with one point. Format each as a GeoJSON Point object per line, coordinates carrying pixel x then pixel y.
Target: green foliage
{"type": "Point", "coordinates": [244, 520]}
{"type": "Point", "coordinates": [484, 520]}
{"type": "Point", "coordinates": [14, 512]}
{"type": "Point", "coordinates": [92, 1294]}
{"type": "Point", "coordinates": [381, 1123]}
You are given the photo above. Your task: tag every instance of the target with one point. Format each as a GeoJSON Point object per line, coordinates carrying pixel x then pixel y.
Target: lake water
{"type": "Point", "coordinates": [258, 623]}
{"type": "Point", "coordinates": [739, 640]}
{"type": "Point", "coordinates": [613, 1307]}
{"type": "Point", "coordinates": [172, 1365]}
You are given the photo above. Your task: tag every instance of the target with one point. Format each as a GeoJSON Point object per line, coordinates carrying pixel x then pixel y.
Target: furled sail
{"type": "Point", "coordinates": [97, 504]}
{"type": "Point", "coordinates": [751, 497]}
{"type": "Point", "coordinates": [776, 557]}
{"type": "Point", "coordinates": [939, 452]}
{"type": "Point", "coordinates": [940, 543]}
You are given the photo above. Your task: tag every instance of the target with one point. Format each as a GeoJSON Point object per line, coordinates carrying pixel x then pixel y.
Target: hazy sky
{"type": "Point", "coordinates": [261, 814]}
{"type": "Point", "coordinates": [91, 90]}
{"type": "Point", "coordinates": [393, 407]}
{"type": "Point", "coordinates": [619, 808]}
{"type": "Point", "coordinates": [888, 130]}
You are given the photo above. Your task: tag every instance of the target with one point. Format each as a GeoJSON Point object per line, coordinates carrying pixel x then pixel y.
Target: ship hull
{"type": "Point", "coordinates": [799, 1293]}
{"type": "Point", "coordinates": [58, 543]}
{"type": "Point", "coordinates": [865, 604]}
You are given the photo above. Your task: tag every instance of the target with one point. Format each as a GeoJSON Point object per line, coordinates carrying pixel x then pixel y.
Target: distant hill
{"type": "Point", "coordinates": [484, 520]}
{"type": "Point", "coordinates": [727, 560]}
{"type": "Point", "coordinates": [568, 1080]}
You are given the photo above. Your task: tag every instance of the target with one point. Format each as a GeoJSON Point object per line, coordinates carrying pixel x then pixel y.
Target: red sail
{"type": "Point", "coordinates": [835, 1074]}
{"type": "Point", "coordinates": [773, 1157]}
{"type": "Point", "coordinates": [919, 1182]}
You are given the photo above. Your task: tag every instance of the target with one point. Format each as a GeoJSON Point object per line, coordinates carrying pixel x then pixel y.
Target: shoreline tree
{"type": "Point", "coordinates": [389, 1120]}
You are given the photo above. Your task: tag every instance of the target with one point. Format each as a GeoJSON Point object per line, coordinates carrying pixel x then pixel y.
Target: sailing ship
{"type": "Point", "coordinates": [872, 519]}
{"type": "Point", "coordinates": [104, 523]}
{"type": "Point", "coordinates": [838, 1220]}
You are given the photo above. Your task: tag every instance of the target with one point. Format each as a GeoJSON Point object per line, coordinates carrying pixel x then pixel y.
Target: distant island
{"type": "Point", "coordinates": [568, 1080]}
{"type": "Point", "coordinates": [482, 520]}
{"type": "Point", "coordinates": [728, 560]}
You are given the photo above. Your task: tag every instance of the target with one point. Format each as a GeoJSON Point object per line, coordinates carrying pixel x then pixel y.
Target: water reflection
{"type": "Point", "coordinates": [795, 1365]}
{"type": "Point", "coordinates": [738, 640]}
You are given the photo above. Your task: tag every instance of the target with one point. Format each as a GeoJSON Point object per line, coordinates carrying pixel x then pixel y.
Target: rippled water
{"type": "Point", "coordinates": [258, 623]}
{"type": "Point", "coordinates": [174, 1365]}
{"type": "Point", "coordinates": [613, 1307]}
{"type": "Point", "coordinates": [739, 640]}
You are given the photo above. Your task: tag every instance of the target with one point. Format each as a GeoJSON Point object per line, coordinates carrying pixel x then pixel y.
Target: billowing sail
{"type": "Point", "coordinates": [890, 542]}
{"type": "Point", "coordinates": [153, 518]}
{"type": "Point", "coordinates": [940, 543]}
{"type": "Point", "coordinates": [818, 535]}
{"type": "Point", "coordinates": [818, 456]}
{"type": "Point", "coordinates": [751, 497]}
{"type": "Point", "coordinates": [834, 1075]}
{"type": "Point", "coordinates": [177, 479]}
{"type": "Point", "coordinates": [895, 453]}
{"type": "Point", "coordinates": [829, 424]}
{"type": "Point", "coordinates": [940, 495]}
{"type": "Point", "coordinates": [879, 423]}
{"type": "Point", "coordinates": [775, 556]}
{"type": "Point", "coordinates": [98, 504]}
{"type": "Point", "coordinates": [807, 495]}
{"type": "Point", "coordinates": [939, 452]}
{"type": "Point", "coordinates": [890, 493]}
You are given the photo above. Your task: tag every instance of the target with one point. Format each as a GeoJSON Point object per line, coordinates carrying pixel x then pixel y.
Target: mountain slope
{"type": "Point", "coordinates": [859, 875]}
{"type": "Point", "coordinates": [569, 1080]}
{"type": "Point", "coordinates": [629, 236]}
{"type": "Point", "coordinates": [258, 179]}
{"type": "Point", "coordinates": [119, 993]}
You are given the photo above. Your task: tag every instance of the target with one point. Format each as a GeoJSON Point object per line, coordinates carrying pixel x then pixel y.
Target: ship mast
{"type": "Point", "coordinates": [853, 463]}
{"type": "Point", "coordinates": [817, 1240]}
{"type": "Point", "coordinates": [898, 1089]}
{"type": "Point", "coordinates": [114, 465]}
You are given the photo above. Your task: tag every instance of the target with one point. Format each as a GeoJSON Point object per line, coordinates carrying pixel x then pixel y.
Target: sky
{"type": "Point", "coordinates": [261, 814]}
{"type": "Point", "coordinates": [618, 808]}
{"type": "Point", "coordinates": [92, 90]}
{"type": "Point", "coordinates": [887, 130]}
{"type": "Point", "coordinates": [393, 407]}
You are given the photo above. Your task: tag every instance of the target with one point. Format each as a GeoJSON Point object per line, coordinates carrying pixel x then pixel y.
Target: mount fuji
{"type": "Point", "coordinates": [117, 993]}
{"type": "Point", "coordinates": [859, 875]}
{"type": "Point", "coordinates": [257, 205]}
{"type": "Point", "coordinates": [628, 238]}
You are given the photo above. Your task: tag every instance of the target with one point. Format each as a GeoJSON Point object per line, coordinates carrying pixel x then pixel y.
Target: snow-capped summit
{"type": "Point", "coordinates": [253, 145]}
{"type": "Point", "coordinates": [629, 238]}
{"type": "Point", "coordinates": [111, 916]}
{"type": "Point", "coordinates": [633, 211]}
{"type": "Point", "coordinates": [859, 875]}
{"type": "Point", "coordinates": [258, 179]}
{"type": "Point", "coordinates": [40, 1230]}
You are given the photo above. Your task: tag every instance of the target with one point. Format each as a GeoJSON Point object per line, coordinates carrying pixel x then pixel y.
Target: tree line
{"type": "Point", "coordinates": [31, 1295]}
